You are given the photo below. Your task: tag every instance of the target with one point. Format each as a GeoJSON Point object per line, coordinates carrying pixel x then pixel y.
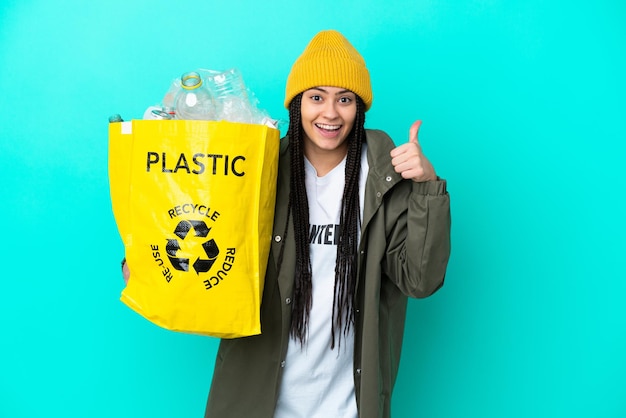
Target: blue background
{"type": "Point", "coordinates": [524, 113]}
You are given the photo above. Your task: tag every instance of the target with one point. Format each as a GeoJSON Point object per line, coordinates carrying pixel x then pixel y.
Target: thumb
{"type": "Point", "coordinates": [414, 130]}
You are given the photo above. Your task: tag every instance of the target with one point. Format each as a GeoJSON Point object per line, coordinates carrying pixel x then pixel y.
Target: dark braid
{"type": "Point", "coordinates": [345, 268]}
{"type": "Point", "coordinates": [349, 221]}
{"type": "Point", "coordinates": [303, 286]}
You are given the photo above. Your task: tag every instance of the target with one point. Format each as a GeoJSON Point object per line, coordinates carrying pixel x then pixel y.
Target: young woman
{"type": "Point", "coordinates": [360, 225]}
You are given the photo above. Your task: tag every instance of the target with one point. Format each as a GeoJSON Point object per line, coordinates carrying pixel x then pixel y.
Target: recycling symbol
{"type": "Point", "coordinates": [200, 265]}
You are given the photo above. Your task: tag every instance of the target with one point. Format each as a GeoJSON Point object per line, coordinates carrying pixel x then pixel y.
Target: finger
{"type": "Point", "coordinates": [401, 149]}
{"type": "Point", "coordinates": [414, 130]}
{"type": "Point", "coordinates": [126, 272]}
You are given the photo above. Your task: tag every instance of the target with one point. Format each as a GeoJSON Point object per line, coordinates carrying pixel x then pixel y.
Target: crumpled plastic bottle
{"type": "Point", "coordinates": [229, 91]}
{"type": "Point", "coordinates": [230, 99]}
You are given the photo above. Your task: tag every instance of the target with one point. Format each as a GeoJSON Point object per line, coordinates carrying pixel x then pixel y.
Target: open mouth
{"type": "Point", "coordinates": [330, 128]}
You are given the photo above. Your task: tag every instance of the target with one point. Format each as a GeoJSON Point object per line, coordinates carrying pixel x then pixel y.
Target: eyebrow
{"type": "Point", "coordinates": [325, 91]}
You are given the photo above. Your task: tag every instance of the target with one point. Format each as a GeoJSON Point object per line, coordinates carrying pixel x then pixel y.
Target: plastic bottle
{"type": "Point", "coordinates": [194, 101]}
{"type": "Point", "coordinates": [115, 118]}
{"type": "Point", "coordinates": [231, 95]}
{"type": "Point", "coordinates": [157, 113]}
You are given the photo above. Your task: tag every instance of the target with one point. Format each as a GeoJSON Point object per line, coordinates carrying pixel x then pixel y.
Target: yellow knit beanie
{"type": "Point", "coordinates": [329, 60]}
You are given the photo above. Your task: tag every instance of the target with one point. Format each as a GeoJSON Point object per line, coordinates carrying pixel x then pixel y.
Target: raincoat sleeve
{"type": "Point", "coordinates": [418, 239]}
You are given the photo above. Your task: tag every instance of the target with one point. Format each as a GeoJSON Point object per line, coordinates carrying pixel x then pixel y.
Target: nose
{"type": "Point", "coordinates": [330, 109]}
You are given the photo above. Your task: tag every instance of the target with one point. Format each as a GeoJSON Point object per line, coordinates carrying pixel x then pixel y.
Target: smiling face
{"type": "Point", "coordinates": [328, 115]}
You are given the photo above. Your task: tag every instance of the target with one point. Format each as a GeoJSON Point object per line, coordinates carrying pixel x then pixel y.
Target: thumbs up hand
{"type": "Point", "coordinates": [408, 159]}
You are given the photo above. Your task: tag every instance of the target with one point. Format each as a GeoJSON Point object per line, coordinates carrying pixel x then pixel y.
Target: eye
{"type": "Point", "coordinates": [345, 99]}
{"type": "Point", "coordinates": [316, 97]}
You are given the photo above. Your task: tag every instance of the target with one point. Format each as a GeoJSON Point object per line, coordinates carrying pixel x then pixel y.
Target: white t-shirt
{"type": "Point", "coordinates": [318, 381]}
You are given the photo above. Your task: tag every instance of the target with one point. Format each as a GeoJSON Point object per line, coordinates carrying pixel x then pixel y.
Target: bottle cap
{"type": "Point", "coordinates": [115, 118]}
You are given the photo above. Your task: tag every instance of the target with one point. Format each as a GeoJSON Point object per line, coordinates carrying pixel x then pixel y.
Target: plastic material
{"type": "Point", "coordinates": [194, 100]}
{"type": "Point", "coordinates": [194, 205]}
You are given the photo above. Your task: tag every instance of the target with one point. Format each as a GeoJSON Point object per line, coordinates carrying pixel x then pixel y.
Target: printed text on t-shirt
{"type": "Point", "coordinates": [324, 234]}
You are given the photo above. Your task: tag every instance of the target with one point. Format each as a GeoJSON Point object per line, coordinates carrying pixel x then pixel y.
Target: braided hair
{"type": "Point", "coordinates": [350, 218]}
